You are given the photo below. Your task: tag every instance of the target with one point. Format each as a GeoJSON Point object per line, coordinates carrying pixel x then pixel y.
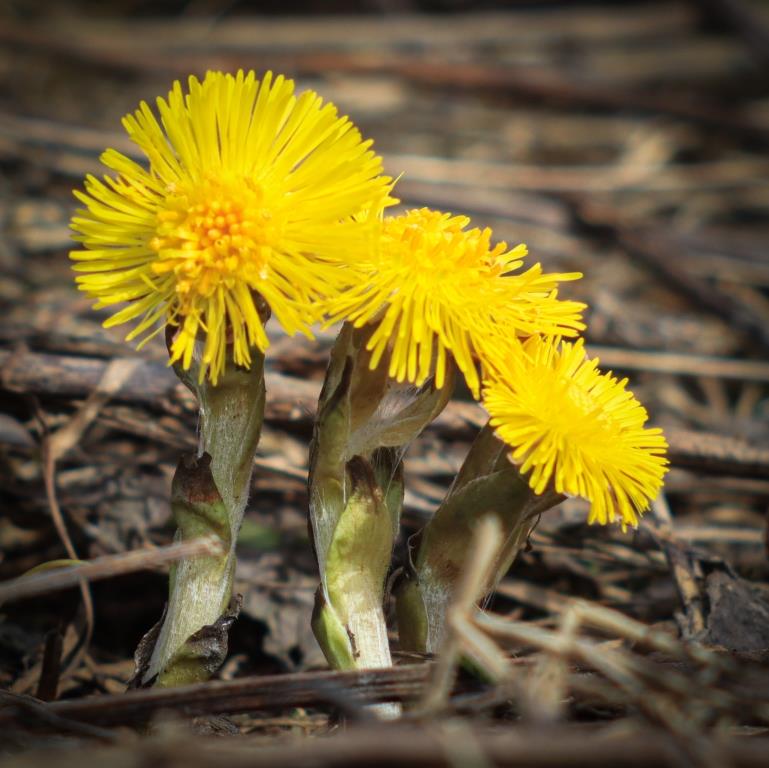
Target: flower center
{"type": "Point", "coordinates": [585, 408]}
{"type": "Point", "coordinates": [437, 246]}
{"type": "Point", "coordinates": [581, 400]}
{"type": "Point", "coordinates": [215, 235]}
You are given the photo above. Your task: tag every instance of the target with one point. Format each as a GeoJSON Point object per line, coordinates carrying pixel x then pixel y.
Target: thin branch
{"type": "Point", "coordinates": [106, 567]}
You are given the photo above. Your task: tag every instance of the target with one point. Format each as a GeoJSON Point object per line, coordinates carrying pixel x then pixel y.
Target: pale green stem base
{"type": "Point", "coordinates": [199, 594]}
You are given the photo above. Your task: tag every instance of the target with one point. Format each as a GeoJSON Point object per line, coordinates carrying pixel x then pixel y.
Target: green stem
{"type": "Point", "coordinates": [200, 589]}
{"type": "Point", "coordinates": [487, 484]}
{"type": "Point", "coordinates": [364, 422]}
{"type": "Point", "coordinates": [231, 416]}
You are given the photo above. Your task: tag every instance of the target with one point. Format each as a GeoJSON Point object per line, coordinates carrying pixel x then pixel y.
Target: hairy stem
{"type": "Point", "coordinates": [365, 420]}
{"type": "Point", "coordinates": [231, 414]}
{"type": "Point", "coordinates": [487, 484]}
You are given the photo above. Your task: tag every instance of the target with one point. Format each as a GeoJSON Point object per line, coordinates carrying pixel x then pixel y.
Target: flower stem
{"type": "Point", "coordinates": [231, 414]}
{"type": "Point", "coordinates": [364, 422]}
{"type": "Point", "coordinates": [487, 484]}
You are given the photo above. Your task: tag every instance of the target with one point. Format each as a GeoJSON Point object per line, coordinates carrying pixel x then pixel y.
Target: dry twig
{"type": "Point", "coordinates": [106, 567]}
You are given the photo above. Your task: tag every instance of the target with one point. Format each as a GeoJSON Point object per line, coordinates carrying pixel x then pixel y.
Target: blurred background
{"type": "Point", "coordinates": [625, 140]}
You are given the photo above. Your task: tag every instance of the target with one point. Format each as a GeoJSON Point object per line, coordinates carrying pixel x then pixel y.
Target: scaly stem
{"type": "Point", "coordinates": [364, 422]}
{"type": "Point", "coordinates": [200, 588]}
{"type": "Point", "coordinates": [356, 562]}
{"type": "Point", "coordinates": [487, 484]}
{"type": "Point", "coordinates": [231, 414]}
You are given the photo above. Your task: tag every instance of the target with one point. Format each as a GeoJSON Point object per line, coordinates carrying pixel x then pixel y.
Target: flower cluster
{"type": "Point", "coordinates": [256, 199]}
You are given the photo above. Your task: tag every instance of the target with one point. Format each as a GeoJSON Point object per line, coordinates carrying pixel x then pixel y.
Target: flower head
{"type": "Point", "coordinates": [435, 287]}
{"type": "Point", "coordinates": [250, 192]}
{"type": "Point", "coordinates": [573, 426]}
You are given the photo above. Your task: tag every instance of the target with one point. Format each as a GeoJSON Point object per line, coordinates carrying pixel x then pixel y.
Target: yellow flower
{"type": "Point", "coordinates": [436, 287]}
{"type": "Point", "coordinates": [573, 426]}
{"type": "Point", "coordinates": [250, 191]}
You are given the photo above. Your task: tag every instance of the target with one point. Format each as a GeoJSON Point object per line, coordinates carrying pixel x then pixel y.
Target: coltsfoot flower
{"type": "Point", "coordinates": [435, 287]}
{"type": "Point", "coordinates": [573, 426]}
{"type": "Point", "coordinates": [251, 191]}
